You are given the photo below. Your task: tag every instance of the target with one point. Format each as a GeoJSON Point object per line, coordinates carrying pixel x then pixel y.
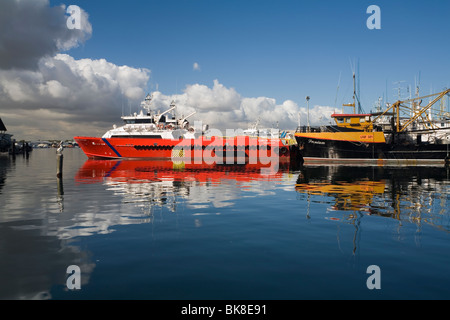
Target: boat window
{"type": "Point", "coordinates": [348, 120]}
{"type": "Point", "coordinates": [340, 120]}
{"type": "Point", "coordinates": [133, 121]}
{"type": "Point", "coordinates": [144, 120]}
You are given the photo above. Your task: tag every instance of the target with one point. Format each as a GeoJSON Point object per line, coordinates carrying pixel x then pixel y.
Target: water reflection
{"type": "Point", "coordinates": [152, 183]}
{"type": "Point", "coordinates": [33, 262]}
{"type": "Point", "coordinates": [34, 256]}
{"type": "Point", "coordinates": [415, 194]}
{"type": "Point", "coordinates": [46, 226]}
{"type": "Point", "coordinates": [4, 164]}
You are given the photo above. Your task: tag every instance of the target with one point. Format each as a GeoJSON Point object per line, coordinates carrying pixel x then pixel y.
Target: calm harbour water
{"type": "Point", "coordinates": [144, 230]}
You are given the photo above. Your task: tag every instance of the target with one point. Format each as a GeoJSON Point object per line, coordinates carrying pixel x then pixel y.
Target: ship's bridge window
{"type": "Point", "coordinates": [133, 121]}
{"type": "Point", "coordinates": [144, 120]}
{"type": "Point", "coordinates": [340, 120]}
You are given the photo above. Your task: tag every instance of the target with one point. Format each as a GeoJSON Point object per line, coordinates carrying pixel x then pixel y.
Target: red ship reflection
{"type": "Point", "coordinates": [136, 171]}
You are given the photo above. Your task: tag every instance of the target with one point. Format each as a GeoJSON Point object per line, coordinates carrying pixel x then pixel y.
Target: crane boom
{"type": "Point", "coordinates": [396, 109]}
{"type": "Point", "coordinates": [424, 109]}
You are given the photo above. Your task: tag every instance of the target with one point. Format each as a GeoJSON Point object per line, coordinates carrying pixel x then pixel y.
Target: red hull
{"type": "Point", "coordinates": [204, 148]}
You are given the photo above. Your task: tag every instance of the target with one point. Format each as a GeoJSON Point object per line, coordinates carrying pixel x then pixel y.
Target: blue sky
{"type": "Point", "coordinates": [280, 49]}
{"type": "Point", "coordinates": [257, 59]}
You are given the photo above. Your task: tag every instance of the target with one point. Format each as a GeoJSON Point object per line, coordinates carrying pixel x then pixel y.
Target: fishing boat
{"type": "Point", "coordinates": [254, 130]}
{"type": "Point", "coordinates": [155, 135]}
{"type": "Point", "coordinates": [404, 133]}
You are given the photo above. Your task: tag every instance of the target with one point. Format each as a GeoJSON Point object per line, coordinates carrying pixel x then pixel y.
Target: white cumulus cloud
{"type": "Point", "coordinates": [82, 91]}
{"type": "Point", "coordinates": [224, 108]}
{"type": "Point", "coordinates": [31, 29]}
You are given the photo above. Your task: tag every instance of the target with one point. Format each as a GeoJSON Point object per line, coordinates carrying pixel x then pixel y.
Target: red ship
{"type": "Point", "coordinates": [155, 135]}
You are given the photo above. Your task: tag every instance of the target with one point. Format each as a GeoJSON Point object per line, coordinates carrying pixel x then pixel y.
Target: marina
{"type": "Point", "coordinates": [199, 156]}
{"type": "Point", "coordinates": [196, 216]}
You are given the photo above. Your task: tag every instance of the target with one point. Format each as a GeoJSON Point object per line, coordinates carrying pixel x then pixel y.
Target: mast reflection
{"type": "Point", "coordinates": [417, 194]}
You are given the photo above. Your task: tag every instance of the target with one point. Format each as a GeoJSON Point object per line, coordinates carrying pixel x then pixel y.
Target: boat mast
{"type": "Point", "coordinates": [307, 113]}
{"type": "Point", "coordinates": [354, 97]}
{"type": "Point", "coordinates": [146, 104]}
{"type": "Point", "coordinates": [354, 93]}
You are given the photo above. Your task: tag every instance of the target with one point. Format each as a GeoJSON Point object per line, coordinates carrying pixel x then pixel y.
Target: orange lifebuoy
{"type": "Point", "coordinates": [160, 126]}
{"type": "Point", "coordinates": [169, 127]}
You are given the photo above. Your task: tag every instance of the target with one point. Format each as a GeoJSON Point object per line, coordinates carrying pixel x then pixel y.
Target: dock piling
{"type": "Point", "coordinates": [59, 165]}
{"type": "Point", "coordinates": [59, 161]}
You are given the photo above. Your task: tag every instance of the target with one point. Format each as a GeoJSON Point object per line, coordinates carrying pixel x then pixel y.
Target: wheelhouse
{"type": "Point", "coordinates": [354, 121]}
